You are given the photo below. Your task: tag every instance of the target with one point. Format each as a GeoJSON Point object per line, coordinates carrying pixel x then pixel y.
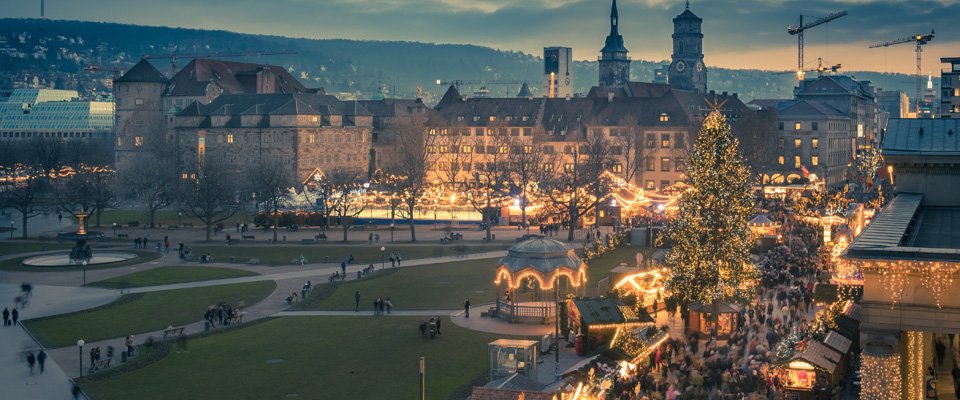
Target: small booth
{"type": "Point", "coordinates": [701, 319]}
{"type": "Point", "coordinates": [534, 276]}
{"type": "Point", "coordinates": [766, 231]}
{"type": "Point", "coordinates": [593, 322]}
{"type": "Point", "coordinates": [815, 367]}
{"type": "Point", "coordinates": [508, 357]}
{"type": "Point", "coordinates": [841, 344]}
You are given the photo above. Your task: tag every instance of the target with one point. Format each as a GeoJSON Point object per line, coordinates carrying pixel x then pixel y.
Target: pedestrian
{"type": "Point", "coordinates": [389, 305]}
{"type": "Point", "coordinates": [466, 308]}
{"type": "Point", "coordinates": [41, 359]}
{"type": "Point", "coordinates": [398, 259]}
{"type": "Point", "coordinates": [393, 261]}
{"type": "Point", "coordinates": [59, 217]}
{"type": "Point", "coordinates": [30, 361]}
{"type": "Point", "coordinates": [356, 297]}
{"type": "Point", "coordinates": [941, 350]}
{"type": "Point", "coordinates": [166, 244]}
{"type": "Point", "coordinates": [370, 239]}
{"type": "Point", "coordinates": [376, 306]}
{"type": "Point", "coordinates": [438, 325]}
{"type": "Point", "coordinates": [6, 317]}
{"type": "Point", "coordinates": [15, 316]}
{"type": "Point", "coordinates": [129, 343]}
{"type": "Point", "coordinates": [343, 267]}
{"type": "Point", "coordinates": [228, 239]}
{"type": "Point", "coordinates": [75, 391]}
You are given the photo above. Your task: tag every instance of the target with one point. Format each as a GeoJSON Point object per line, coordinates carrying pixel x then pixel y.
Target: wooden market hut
{"type": "Point", "coordinates": [817, 365]}
{"type": "Point", "coordinates": [597, 320]}
{"type": "Point", "coordinates": [700, 319]}
{"type": "Point", "coordinates": [528, 280]}
{"type": "Point", "coordinates": [842, 345]}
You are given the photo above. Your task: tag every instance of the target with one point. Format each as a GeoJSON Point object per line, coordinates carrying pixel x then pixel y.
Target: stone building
{"type": "Point", "coordinates": [301, 133]}
{"type": "Point", "coordinates": [391, 119]}
{"type": "Point", "coordinates": [851, 97]}
{"type": "Point", "coordinates": [687, 71]}
{"type": "Point", "coordinates": [614, 62]}
{"type": "Point", "coordinates": [140, 122]}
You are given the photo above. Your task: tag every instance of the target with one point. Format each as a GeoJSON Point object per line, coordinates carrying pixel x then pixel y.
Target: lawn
{"type": "Point", "coordinates": [143, 312]}
{"type": "Point", "coordinates": [15, 264]}
{"type": "Point", "coordinates": [600, 267]}
{"type": "Point", "coordinates": [284, 255]}
{"type": "Point", "coordinates": [8, 247]}
{"type": "Point", "coordinates": [436, 286]}
{"type": "Point", "coordinates": [170, 275]}
{"type": "Point", "coordinates": [163, 217]}
{"type": "Point", "coordinates": [310, 358]}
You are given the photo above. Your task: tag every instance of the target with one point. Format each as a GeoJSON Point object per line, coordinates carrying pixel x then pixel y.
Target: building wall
{"type": "Point", "coordinates": [950, 91]}
{"type": "Point", "coordinates": [558, 66]}
{"type": "Point", "coordinates": [139, 120]}
{"type": "Point", "coordinates": [830, 144]}
{"type": "Point", "coordinates": [936, 178]}
{"type": "Point", "coordinates": [917, 308]}
{"type": "Point", "coordinates": [864, 117]}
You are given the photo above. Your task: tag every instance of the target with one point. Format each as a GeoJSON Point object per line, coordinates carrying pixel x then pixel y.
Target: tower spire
{"type": "Point", "coordinates": [614, 18]}
{"type": "Point", "coordinates": [688, 4]}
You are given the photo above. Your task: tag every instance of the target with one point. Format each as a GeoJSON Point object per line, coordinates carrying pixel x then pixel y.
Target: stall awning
{"type": "Point", "coordinates": [820, 356]}
{"type": "Point", "coordinates": [838, 342]}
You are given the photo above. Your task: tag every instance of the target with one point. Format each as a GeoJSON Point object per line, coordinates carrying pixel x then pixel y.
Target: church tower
{"type": "Point", "coordinates": [614, 63]}
{"type": "Point", "coordinates": [687, 71]}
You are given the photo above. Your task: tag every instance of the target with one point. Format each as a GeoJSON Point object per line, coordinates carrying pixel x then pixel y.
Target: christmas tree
{"type": "Point", "coordinates": [711, 240]}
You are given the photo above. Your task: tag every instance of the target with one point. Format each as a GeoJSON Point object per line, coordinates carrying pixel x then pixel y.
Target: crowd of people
{"type": "Point", "coordinates": [223, 314]}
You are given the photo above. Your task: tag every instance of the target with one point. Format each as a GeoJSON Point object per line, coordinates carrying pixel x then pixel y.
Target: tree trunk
{"type": "Point", "coordinates": [346, 228]}
{"type": "Point", "coordinates": [523, 217]}
{"type": "Point", "coordinates": [276, 223]}
{"type": "Point", "coordinates": [715, 316]}
{"type": "Point", "coordinates": [151, 215]}
{"type": "Point", "coordinates": [413, 230]}
{"type": "Point", "coordinates": [99, 213]}
{"type": "Point", "coordinates": [23, 223]}
{"type": "Point", "coordinates": [208, 231]}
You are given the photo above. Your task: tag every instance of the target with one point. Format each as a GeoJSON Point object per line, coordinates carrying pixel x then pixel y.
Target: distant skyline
{"type": "Point", "coordinates": [745, 34]}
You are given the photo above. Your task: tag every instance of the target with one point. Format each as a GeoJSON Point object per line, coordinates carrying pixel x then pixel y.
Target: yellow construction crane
{"type": "Point", "coordinates": [800, 28]}
{"type": "Point", "coordinates": [920, 40]}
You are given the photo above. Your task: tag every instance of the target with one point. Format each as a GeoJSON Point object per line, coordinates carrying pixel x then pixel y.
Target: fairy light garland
{"type": "Point", "coordinates": [881, 376]}
{"type": "Point", "coordinates": [938, 276]}
{"type": "Point", "coordinates": [915, 372]}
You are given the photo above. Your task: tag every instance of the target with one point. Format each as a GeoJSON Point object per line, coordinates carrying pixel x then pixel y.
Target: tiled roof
{"type": "Point", "coordinates": [602, 310]}
{"type": "Point", "coordinates": [687, 14]}
{"type": "Point", "coordinates": [821, 356]}
{"type": "Point", "coordinates": [922, 136]}
{"type": "Point", "coordinates": [837, 342]}
{"type": "Point", "coordinates": [143, 71]}
{"type": "Point", "coordinates": [807, 108]}
{"type": "Point", "coordinates": [232, 78]}
{"type": "Point", "coordinates": [275, 104]}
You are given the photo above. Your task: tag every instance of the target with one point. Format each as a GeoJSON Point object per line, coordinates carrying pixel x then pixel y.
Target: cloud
{"type": "Point", "coordinates": [733, 28]}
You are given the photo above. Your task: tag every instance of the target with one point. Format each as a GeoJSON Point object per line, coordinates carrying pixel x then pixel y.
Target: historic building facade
{"type": "Point", "coordinates": [687, 71]}
{"type": "Point", "coordinates": [614, 62]}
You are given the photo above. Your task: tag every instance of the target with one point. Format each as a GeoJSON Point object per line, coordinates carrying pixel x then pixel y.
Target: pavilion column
{"type": "Point", "coordinates": [881, 370]}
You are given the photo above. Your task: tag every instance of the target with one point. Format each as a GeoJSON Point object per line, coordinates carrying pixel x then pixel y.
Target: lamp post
{"type": "Point", "coordinates": [80, 344]}
{"type": "Point", "coordinates": [179, 219]}
{"type": "Point", "coordinates": [392, 226]}
{"type": "Point", "coordinates": [114, 230]}
{"type": "Point", "coordinates": [11, 229]}
{"type": "Point", "coordinates": [423, 379]}
{"type": "Point", "coordinates": [382, 252]}
{"type": "Point", "coordinates": [84, 266]}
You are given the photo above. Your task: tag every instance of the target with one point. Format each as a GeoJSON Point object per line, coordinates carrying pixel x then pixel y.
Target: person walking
{"type": "Point", "coordinates": [30, 361]}
{"type": "Point", "coordinates": [41, 359]}
{"type": "Point", "coordinates": [356, 296]}
{"type": "Point", "coordinates": [466, 308]}
{"type": "Point", "coordinates": [59, 218]}
{"type": "Point", "coordinates": [389, 305]}
{"type": "Point", "coordinates": [15, 316]}
{"type": "Point", "coordinates": [6, 317]}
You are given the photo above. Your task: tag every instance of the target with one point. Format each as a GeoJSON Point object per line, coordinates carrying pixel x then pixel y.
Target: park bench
{"type": "Point", "coordinates": [172, 332]}
{"type": "Point", "coordinates": [320, 236]}
{"type": "Point", "coordinates": [122, 236]}
{"type": "Point", "coordinates": [254, 261]}
{"type": "Point", "coordinates": [249, 237]}
{"type": "Point", "coordinates": [101, 364]}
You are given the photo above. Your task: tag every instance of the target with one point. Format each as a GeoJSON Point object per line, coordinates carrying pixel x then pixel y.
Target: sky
{"type": "Point", "coordinates": [742, 34]}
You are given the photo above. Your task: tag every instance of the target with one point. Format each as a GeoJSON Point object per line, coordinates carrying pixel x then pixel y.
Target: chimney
{"type": "Point", "coordinates": [724, 93]}
{"type": "Point", "coordinates": [735, 95]}
{"type": "Point", "coordinates": [609, 97]}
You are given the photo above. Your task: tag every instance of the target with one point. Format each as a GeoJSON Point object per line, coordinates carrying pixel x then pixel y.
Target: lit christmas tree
{"type": "Point", "coordinates": [711, 239]}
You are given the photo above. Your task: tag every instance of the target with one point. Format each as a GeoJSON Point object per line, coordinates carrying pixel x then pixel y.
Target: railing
{"type": "Point", "coordinates": [515, 313]}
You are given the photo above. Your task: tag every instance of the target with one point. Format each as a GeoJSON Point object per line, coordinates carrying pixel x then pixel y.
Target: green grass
{"type": "Point", "coordinates": [310, 358]}
{"type": "Point", "coordinates": [16, 247]}
{"type": "Point", "coordinates": [14, 264]}
{"type": "Point", "coordinates": [437, 286]}
{"type": "Point", "coordinates": [138, 313]}
{"type": "Point", "coordinates": [284, 255]}
{"type": "Point", "coordinates": [169, 275]}
{"type": "Point", "coordinates": [600, 267]}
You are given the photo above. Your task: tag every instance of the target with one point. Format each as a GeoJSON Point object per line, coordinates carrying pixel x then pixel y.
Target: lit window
{"type": "Point", "coordinates": [459, 118]}
{"type": "Point", "coordinates": [617, 168]}
{"type": "Point", "coordinates": [815, 160]}
{"type": "Point", "coordinates": [138, 141]}
{"type": "Point", "coordinates": [527, 149]}
{"type": "Point", "coordinates": [665, 140]}
{"type": "Point", "coordinates": [797, 143]}
{"type": "Point", "coordinates": [548, 167]}
{"type": "Point", "coordinates": [476, 118]}
{"type": "Point", "coordinates": [119, 139]}
{"type": "Point", "coordinates": [493, 118]}
{"type": "Point", "coordinates": [665, 164]}
{"type": "Point", "coordinates": [650, 185]}
{"type": "Point", "coordinates": [956, 92]}
{"type": "Point", "coordinates": [796, 126]}
{"type": "Point", "coordinates": [138, 102]}
{"type": "Point", "coordinates": [466, 149]}
{"type": "Point", "coordinates": [678, 164]}
{"type": "Point", "coordinates": [443, 149]}
{"type": "Point", "coordinates": [796, 161]}
{"type": "Point", "coordinates": [230, 138]}
{"type": "Point", "coordinates": [664, 117]}
{"type": "Point", "coordinates": [314, 119]}
{"type": "Point", "coordinates": [504, 149]}
{"type": "Point", "coordinates": [568, 167]}
{"type": "Point", "coordinates": [432, 132]}
{"type": "Point", "coordinates": [431, 149]}
{"type": "Point", "coordinates": [859, 130]}
{"type": "Point", "coordinates": [780, 160]}
{"type": "Point", "coordinates": [815, 143]}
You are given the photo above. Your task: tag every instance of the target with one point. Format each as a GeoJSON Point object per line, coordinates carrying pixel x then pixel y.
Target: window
{"type": "Point", "coordinates": [814, 143]}
{"type": "Point", "coordinates": [679, 140]}
{"type": "Point", "coordinates": [797, 143]}
{"type": "Point", "coordinates": [664, 183]}
{"type": "Point", "coordinates": [859, 130]}
{"type": "Point", "coordinates": [815, 126]}
{"type": "Point", "coordinates": [796, 161]}
{"type": "Point", "coordinates": [119, 140]}
{"type": "Point", "coordinates": [509, 118]}
{"type": "Point", "coordinates": [514, 131]}
{"type": "Point", "coordinates": [568, 149]}
{"type": "Point", "coordinates": [648, 164]}
{"type": "Point", "coordinates": [504, 149]}
{"type": "Point", "coordinates": [476, 118]}
{"type": "Point", "coordinates": [780, 160]}
{"type": "Point", "coordinates": [443, 149]}
{"type": "Point", "coordinates": [651, 140]}
{"type": "Point", "coordinates": [527, 149]}
{"type": "Point", "coordinates": [650, 185]}
{"type": "Point", "coordinates": [616, 150]}
{"type": "Point", "coordinates": [568, 167]}
{"type": "Point", "coordinates": [665, 164]}
{"type": "Point", "coordinates": [525, 118]}
{"type": "Point", "coordinates": [466, 149]}
{"type": "Point", "coordinates": [431, 149]}
{"type": "Point", "coordinates": [780, 126]}
{"type": "Point", "coordinates": [230, 138]}
{"type": "Point", "coordinates": [781, 143]}
{"type": "Point", "coordinates": [664, 117]}
{"type": "Point", "coordinates": [443, 132]}
{"type": "Point", "coordinates": [678, 164]}
{"type": "Point", "coordinates": [527, 131]}
{"type": "Point", "coordinates": [138, 102]}
{"type": "Point", "coordinates": [548, 150]}
{"type": "Point", "coordinates": [618, 168]}
{"type": "Point", "coordinates": [493, 118]}
{"type": "Point", "coordinates": [665, 141]}
{"type": "Point", "coordinates": [432, 132]}
{"type": "Point", "coordinates": [459, 118]}
{"type": "Point", "coordinates": [547, 167]}
{"type": "Point", "coordinates": [814, 160]}
{"type": "Point", "coordinates": [138, 141]}
{"type": "Point", "coordinates": [796, 126]}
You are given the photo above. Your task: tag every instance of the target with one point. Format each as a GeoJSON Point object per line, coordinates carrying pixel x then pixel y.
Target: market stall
{"type": "Point", "coordinates": [812, 369]}
{"type": "Point", "coordinates": [593, 322]}
{"type": "Point", "coordinates": [701, 319]}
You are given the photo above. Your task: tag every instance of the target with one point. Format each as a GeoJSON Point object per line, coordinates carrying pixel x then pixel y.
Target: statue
{"type": "Point", "coordinates": [81, 252]}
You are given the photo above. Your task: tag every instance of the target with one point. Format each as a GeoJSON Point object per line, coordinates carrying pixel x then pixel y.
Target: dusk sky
{"type": "Point", "coordinates": [739, 33]}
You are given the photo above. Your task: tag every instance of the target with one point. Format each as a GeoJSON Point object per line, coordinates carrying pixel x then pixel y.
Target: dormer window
{"type": "Point", "coordinates": [525, 118]}
{"type": "Point", "coordinates": [509, 118]}
{"type": "Point", "coordinates": [459, 118]}
{"type": "Point", "coordinates": [493, 118]}
{"type": "Point", "coordinates": [476, 118]}
{"type": "Point", "coordinates": [664, 117]}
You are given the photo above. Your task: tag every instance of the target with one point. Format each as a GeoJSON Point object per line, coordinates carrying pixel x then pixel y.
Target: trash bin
{"type": "Point", "coordinates": [358, 274]}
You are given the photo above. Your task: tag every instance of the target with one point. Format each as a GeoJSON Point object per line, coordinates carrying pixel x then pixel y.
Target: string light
{"type": "Point", "coordinates": [881, 376]}
{"type": "Point", "coordinates": [938, 276]}
{"type": "Point", "coordinates": [915, 371]}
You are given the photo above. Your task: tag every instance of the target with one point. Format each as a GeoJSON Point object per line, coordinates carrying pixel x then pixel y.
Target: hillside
{"type": "Point", "coordinates": [56, 53]}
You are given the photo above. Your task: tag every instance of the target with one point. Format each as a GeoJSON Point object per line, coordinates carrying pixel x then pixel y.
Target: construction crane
{"type": "Point", "coordinates": [174, 56]}
{"type": "Point", "coordinates": [800, 28]}
{"type": "Point", "coordinates": [920, 40]}
{"type": "Point", "coordinates": [98, 68]}
{"type": "Point", "coordinates": [820, 70]}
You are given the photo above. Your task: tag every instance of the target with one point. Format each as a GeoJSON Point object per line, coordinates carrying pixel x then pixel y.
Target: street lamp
{"type": "Point", "coordinates": [84, 264]}
{"type": "Point", "coordinates": [114, 230]}
{"type": "Point", "coordinates": [382, 253]}
{"type": "Point", "coordinates": [80, 344]}
{"type": "Point", "coordinates": [179, 219]}
{"type": "Point", "coordinates": [392, 226]}
{"type": "Point", "coordinates": [11, 229]}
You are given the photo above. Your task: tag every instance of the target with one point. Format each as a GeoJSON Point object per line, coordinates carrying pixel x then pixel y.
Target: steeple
{"type": "Point", "coordinates": [614, 63]}
{"type": "Point", "coordinates": [614, 17]}
{"type": "Point", "coordinates": [614, 42]}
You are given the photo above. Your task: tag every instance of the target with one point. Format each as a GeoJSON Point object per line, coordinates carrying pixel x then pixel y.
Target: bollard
{"type": "Point", "coordinates": [358, 274]}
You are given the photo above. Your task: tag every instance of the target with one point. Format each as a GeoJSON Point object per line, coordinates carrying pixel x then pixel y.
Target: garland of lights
{"type": "Point", "coordinates": [915, 371]}
{"type": "Point", "coordinates": [881, 376]}
{"type": "Point", "coordinates": [938, 276]}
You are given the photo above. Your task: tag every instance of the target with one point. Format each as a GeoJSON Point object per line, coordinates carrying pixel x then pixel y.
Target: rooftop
{"type": "Point", "coordinates": [906, 230]}
{"type": "Point", "coordinates": [922, 137]}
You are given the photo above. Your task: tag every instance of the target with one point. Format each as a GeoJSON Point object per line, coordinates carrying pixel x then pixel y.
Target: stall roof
{"type": "Point", "coordinates": [852, 310]}
{"type": "Point", "coordinates": [513, 343]}
{"type": "Point", "coordinates": [838, 342]}
{"type": "Point", "coordinates": [725, 308]}
{"type": "Point", "coordinates": [820, 356]}
{"type": "Point", "coordinates": [602, 310]}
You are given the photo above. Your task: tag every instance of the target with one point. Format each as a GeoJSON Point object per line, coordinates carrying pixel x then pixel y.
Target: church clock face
{"type": "Point", "coordinates": [681, 66]}
{"type": "Point", "coordinates": [699, 66]}
{"type": "Point", "coordinates": [566, 81]}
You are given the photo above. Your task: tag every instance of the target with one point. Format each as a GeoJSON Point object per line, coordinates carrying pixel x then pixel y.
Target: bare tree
{"type": "Point", "coordinates": [152, 183]}
{"type": "Point", "coordinates": [212, 197]}
{"type": "Point", "coordinates": [527, 172]}
{"type": "Point", "coordinates": [578, 186]}
{"type": "Point", "coordinates": [89, 190]}
{"type": "Point", "coordinates": [271, 189]}
{"type": "Point", "coordinates": [413, 148]}
{"type": "Point", "coordinates": [28, 195]}
{"type": "Point", "coordinates": [344, 193]}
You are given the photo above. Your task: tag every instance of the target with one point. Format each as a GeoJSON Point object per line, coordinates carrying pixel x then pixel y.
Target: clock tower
{"type": "Point", "coordinates": [687, 71]}
{"type": "Point", "coordinates": [614, 63]}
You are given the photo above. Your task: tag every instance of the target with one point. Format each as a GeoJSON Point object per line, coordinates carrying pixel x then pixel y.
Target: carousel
{"type": "Point", "coordinates": [533, 278]}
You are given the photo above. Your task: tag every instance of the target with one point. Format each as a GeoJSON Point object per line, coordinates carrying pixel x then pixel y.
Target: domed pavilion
{"type": "Point", "coordinates": [534, 276]}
